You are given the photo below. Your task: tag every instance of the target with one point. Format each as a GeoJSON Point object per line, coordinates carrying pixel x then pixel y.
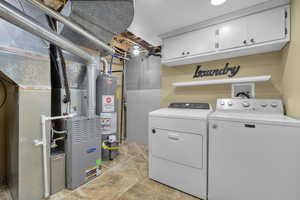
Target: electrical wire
{"type": "Point", "coordinates": [52, 24]}
{"type": "Point", "coordinates": [7, 81]}
{"type": "Point", "coordinates": [5, 93]}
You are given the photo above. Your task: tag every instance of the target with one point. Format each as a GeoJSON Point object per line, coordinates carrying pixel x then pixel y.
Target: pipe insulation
{"type": "Point", "coordinates": [75, 27]}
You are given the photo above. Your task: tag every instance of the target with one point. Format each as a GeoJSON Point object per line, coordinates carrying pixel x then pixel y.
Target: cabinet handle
{"type": "Point", "coordinates": [173, 138]}
{"type": "Point", "coordinates": [245, 41]}
{"type": "Point", "coordinates": [217, 45]}
{"type": "Point", "coordinates": [252, 40]}
{"type": "Point", "coordinates": [153, 131]}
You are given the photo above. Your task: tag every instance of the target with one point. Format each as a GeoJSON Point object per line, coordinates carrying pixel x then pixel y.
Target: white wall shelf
{"type": "Point", "coordinates": [224, 81]}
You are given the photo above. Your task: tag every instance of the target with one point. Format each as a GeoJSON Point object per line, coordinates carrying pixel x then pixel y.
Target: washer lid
{"type": "Point", "coordinates": [181, 113]}
{"type": "Point", "coordinates": [273, 119]}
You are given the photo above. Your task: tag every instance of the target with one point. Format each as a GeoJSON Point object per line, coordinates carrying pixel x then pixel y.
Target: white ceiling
{"type": "Point", "coordinates": [156, 17]}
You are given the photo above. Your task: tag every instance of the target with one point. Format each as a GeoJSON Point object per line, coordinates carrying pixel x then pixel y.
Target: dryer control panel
{"type": "Point", "coordinates": [204, 106]}
{"type": "Point", "coordinates": [263, 106]}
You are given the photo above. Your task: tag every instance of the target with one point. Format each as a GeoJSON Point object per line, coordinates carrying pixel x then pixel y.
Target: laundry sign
{"type": "Point", "coordinates": [108, 103]}
{"type": "Point", "coordinates": [228, 70]}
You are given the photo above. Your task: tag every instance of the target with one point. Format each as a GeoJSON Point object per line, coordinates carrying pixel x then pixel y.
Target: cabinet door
{"type": "Point", "coordinates": [174, 47]}
{"type": "Point", "coordinates": [191, 43]}
{"type": "Point", "coordinates": [200, 41]}
{"type": "Point", "coordinates": [266, 26]}
{"type": "Point", "coordinates": [232, 34]}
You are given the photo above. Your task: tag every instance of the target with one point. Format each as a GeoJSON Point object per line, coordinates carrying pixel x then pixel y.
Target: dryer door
{"type": "Point", "coordinates": [179, 147]}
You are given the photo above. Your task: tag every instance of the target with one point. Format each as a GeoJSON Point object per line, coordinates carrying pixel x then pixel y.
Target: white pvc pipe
{"type": "Point", "coordinates": [43, 143]}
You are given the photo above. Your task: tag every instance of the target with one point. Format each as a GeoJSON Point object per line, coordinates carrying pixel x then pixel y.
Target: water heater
{"type": "Point", "coordinates": [106, 108]}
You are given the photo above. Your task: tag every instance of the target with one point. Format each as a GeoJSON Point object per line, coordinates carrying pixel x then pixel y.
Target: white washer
{"type": "Point", "coordinates": [254, 151]}
{"type": "Point", "coordinates": [178, 147]}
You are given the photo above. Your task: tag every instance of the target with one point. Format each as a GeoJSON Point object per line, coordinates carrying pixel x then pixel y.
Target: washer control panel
{"type": "Point", "coordinates": [265, 106]}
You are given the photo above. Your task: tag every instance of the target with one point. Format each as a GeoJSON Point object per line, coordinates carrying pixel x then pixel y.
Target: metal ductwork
{"type": "Point", "coordinates": [29, 24]}
{"type": "Point", "coordinates": [16, 39]}
{"type": "Point", "coordinates": [71, 25]}
{"type": "Point", "coordinates": [102, 18]}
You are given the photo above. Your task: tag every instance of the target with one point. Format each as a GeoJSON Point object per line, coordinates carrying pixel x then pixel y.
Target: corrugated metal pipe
{"type": "Point", "coordinates": [72, 25]}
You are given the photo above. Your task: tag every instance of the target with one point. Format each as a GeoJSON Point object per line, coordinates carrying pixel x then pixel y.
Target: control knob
{"type": "Point", "coordinates": [246, 104]}
{"type": "Point", "coordinates": [274, 105]}
{"type": "Point", "coordinates": [229, 103]}
{"type": "Point", "coordinates": [264, 105]}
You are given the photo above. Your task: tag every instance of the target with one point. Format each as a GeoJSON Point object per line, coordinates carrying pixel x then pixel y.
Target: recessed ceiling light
{"type": "Point", "coordinates": [136, 50]}
{"type": "Point", "coordinates": [217, 2]}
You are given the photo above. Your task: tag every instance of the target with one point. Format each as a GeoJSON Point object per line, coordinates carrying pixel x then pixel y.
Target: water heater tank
{"type": "Point", "coordinates": [106, 108]}
{"type": "Point", "coordinates": [106, 86]}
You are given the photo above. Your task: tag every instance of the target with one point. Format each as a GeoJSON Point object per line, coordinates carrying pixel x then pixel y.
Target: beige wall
{"type": "Point", "coordinates": [291, 65]}
{"type": "Point", "coordinates": [254, 65]}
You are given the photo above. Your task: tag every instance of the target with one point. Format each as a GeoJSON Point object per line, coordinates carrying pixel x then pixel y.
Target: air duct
{"type": "Point", "coordinates": [16, 17]}
{"type": "Point", "coordinates": [102, 18]}
{"type": "Point", "coordinates": [18, 40]}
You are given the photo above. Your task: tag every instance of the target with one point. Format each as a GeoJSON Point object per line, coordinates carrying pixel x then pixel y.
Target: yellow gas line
{"type": "Point", "coordinates": [104, 146]}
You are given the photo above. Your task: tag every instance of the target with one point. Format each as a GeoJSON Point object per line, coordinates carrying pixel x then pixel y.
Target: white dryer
{"type": "Point", "coordinates": [254, 151]}
{"type": "Point", "coordinates": [178, 147]}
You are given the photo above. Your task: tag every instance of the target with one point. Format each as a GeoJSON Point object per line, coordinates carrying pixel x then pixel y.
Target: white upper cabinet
{"type": "Point", "coordinates": [266, 26]}
{"type": "Point", "coordinates": [261, 32]}
{"type": "Point", "coordinates": [201, 41]}
{"type": "Point", "coordinates": [232, 34]}
{"type": "Point", "coordinates": [254, 29]}
{"type": "Point", "coordinates": [191, 43]}
{"type": "Point", "coordinates": [174, 47]}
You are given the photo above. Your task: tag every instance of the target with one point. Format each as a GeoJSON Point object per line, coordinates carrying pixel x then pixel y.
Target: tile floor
{"type": "Point", "coordinates": [123, 179]}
